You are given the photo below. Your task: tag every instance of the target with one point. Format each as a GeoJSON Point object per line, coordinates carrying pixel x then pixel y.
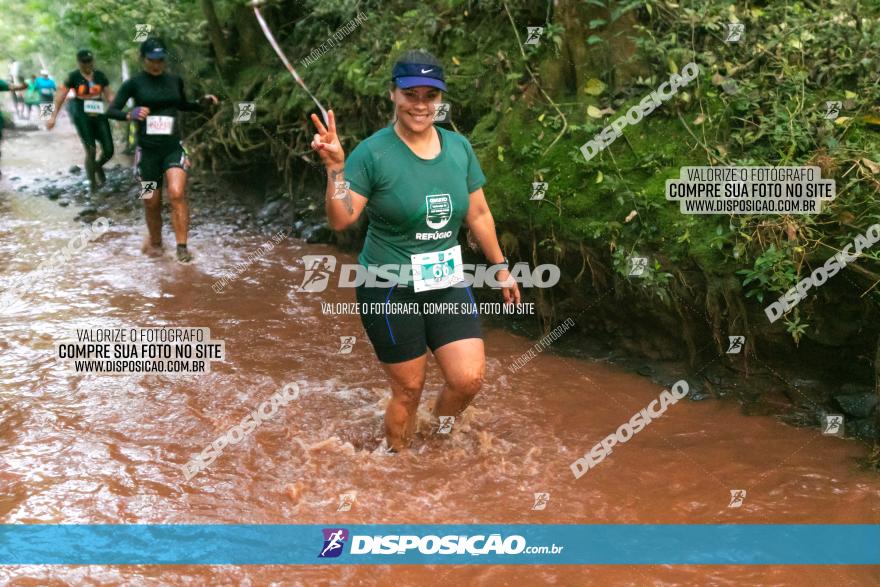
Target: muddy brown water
{"type": "Point", "coordinates": [108, 449]}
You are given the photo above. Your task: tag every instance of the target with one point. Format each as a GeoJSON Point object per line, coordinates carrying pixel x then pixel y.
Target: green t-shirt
{"type": "Point", "coordinates": [415, 205]}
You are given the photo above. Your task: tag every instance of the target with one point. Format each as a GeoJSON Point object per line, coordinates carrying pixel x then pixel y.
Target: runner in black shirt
{"type": "Point", "coordinates": [160, 157]}
{"type": "Point", "coordinates": [88, 114]}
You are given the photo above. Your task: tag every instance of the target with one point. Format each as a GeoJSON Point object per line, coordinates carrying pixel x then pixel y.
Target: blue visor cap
{"type": "Point", "coordinates": [410, 75]}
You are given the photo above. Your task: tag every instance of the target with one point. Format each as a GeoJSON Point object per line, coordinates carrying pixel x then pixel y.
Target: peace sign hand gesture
{"type": "Point", "coordinates": [326, 142]}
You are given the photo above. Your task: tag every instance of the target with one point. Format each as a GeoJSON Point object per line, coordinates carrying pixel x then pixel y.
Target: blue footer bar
{"type": "Point", "coordinates": [561, 544]}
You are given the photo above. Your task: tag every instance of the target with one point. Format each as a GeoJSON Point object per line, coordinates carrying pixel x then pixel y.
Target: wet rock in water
{"type": "Point", "coordinates": [53, 193]}
{"type": "Point", "coordinates": [87, 215]}
{"type": "Point", "coordinates": [645, 370]}
{"type": "Point", "coordinates": [860, 405]}
{"type": "Point", "coordinates": [16, 178]}
{"type": "Point", "coordinates": [863, 428]}
{"type": "Point", "coordinates": [75, 169]}
{"type": "Point", "coordinates": [317, 234]}
{"type": "Point", "coordinates": [269, 211]}
{"type": "Point", "coordinates": [64, 203]}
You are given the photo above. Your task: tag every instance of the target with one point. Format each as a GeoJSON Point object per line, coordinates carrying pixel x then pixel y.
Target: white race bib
{"type": "Point", "coordinates": [437, 270]}
{"type": "Point", "coordinates": [93, 106]}
{"type": "Point", "coordinates": [160, 125]}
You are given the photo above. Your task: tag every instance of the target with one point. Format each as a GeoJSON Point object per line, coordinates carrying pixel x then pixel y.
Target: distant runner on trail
{"type": "Point", "coordinates": [87, 111]}
{"type": "Point", "coordinates": [45, 87]}
{"type": "Point", "coordinates": [6, 87]}
{"type": "Point", "coordinates": [160, 156]}
{"type": "Point", "coordinates": [31, 95]}
{"type": "Point", "coordinates": [419, 184]}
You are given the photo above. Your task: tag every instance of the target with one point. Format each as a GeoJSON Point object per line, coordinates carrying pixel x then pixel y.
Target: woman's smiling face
{"type": "Point", "coordinates": [415, 106]}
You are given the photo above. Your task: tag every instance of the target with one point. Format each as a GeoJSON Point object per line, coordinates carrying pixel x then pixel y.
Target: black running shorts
{"type": "Point", "coordinates": [152, 163]}
{"type": "Point", "coordinates": [402, 323]}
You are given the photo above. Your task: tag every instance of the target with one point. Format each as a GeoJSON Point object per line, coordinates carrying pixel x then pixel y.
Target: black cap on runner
{"type": "Point", "coordinates": [418, 68]}
{"type": "Point", "coordinates": [153, 48]}
{"type": "Point", "coordinates": [84, 56]}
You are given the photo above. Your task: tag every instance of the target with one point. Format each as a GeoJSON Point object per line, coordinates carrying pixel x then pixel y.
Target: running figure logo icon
{"type": "Point", "coordinates": [832, 109]}
{"type": "Point", "coordinates": [737, 496]}
{"type": "Point", "coordinates": [334, 541]}
{"type": "Point", "coordinates": [539, 190]}
{"type": "Point", "coordinates": [346, 344]}
{"type": "Point", "coordinates": [533, 35]}
{"type": "Point", "coordinates": [637, 266]}
{"type": "Point", "coordinates": [148, 188]}
{"type": "Point", "coordinates": [245, 112]}
{"type": "Point", "coordinates": [441, 112]}
{"type": "Point", "coordinates": [446, 423]}
{"type": "Point", "coordinates": [319, 268]}
{"type": "Point", "coordinates": [141, 32]}
{"type": "Point", "coordinates": [734, 32]}
{"type": "Point", "coordinates": [833, 425]}
{"type": "Point", "coordinates": [736, 344]}
{"type": "Point", "coordinates": [541, 501]}
{"type": "Point", "coordinates": [346, 500]}
{"type": "Point", "coordinates": [46, 110]}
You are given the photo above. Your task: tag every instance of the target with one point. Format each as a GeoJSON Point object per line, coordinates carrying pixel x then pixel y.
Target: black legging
{"type": "Point", "coordinates": [91, 129]}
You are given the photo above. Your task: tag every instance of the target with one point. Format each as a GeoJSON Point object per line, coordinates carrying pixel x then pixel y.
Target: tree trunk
{"type": "Point", "coordinates": [215, 32]}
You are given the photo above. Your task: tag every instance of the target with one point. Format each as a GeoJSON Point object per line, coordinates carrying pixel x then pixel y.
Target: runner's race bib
{"type": "Point", "coordinates": [93, 106]}
{"type": "Point", "coordinates": [160, 125]}
{"type": "Point", "coordinates": [437, 270]}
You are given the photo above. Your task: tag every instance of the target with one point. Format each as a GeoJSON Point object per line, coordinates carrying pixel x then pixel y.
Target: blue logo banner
{"type": "Point", "coordinates": [561, 544]}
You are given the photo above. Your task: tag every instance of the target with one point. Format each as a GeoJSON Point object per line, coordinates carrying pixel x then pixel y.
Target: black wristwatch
{"type": "Point", "coordinates": [506, 263]}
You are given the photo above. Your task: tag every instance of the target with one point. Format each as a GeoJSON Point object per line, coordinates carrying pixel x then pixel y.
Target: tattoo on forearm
{"type": "Point", "coordinates": [342, 191]}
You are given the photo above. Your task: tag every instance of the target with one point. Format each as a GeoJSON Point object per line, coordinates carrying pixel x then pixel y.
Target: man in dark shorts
{"type": "Point", "coordinates": [5, 87]}
{"type": "Point", "coordinates": [88, 113]}
{"type": "Point", "coordinates": [418, 184]}
{"type": "Point", "coordinates": [160, 156]}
